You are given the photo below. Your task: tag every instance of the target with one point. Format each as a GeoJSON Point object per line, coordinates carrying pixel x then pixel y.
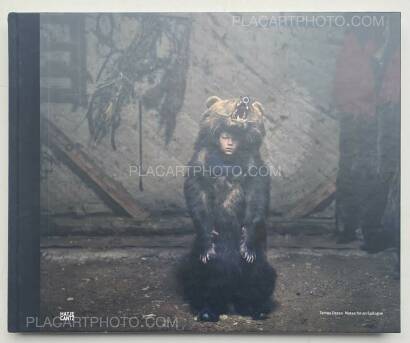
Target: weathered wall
{"type": "Point", "coordinates": [288, 70]}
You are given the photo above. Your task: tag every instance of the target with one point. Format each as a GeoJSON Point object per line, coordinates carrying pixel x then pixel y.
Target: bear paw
{"type": "Point", "coordinates": [248, 254]}
{"type": "Point", "coordinates": [259, 316]}
{"type": "Point", "coordinates": [207, 315]}
{"type": "Point", "coordinates": [209, 254]}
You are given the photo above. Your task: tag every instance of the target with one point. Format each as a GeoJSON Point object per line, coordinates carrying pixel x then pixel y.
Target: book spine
{"type": "Point", "coordinates": [13, 167]}
{"type": "Point", "coordinates": [24, 172]}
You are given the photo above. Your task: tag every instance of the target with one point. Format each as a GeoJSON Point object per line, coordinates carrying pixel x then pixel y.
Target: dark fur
{"type": "Point", "coordinates": [220, 206]}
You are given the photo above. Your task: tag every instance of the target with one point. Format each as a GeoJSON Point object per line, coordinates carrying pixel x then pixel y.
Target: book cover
{"type": "Point", "coordinates": [204, 172]}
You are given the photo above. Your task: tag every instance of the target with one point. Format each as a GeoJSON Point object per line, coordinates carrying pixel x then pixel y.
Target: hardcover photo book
{"type": "Point", "coordinates": [207, 172]}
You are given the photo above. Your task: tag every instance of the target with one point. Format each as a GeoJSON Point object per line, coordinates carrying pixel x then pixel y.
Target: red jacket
{"type": "Point", "coordinates": [354, 83]}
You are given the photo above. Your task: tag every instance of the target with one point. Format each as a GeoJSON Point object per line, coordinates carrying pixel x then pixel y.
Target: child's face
{"type": "Point", "coordinates": [227, 143]}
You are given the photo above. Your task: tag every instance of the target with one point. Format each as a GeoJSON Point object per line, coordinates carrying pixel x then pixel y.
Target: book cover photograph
{"type": "Point", "coordinates": [204, 172]}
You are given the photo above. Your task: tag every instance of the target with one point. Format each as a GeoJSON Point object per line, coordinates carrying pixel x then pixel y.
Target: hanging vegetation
{"type": "Point", "coordinates": [154, 63]}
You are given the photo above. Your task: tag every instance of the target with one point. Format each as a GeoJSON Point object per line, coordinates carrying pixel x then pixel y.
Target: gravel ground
{"type": "Point", "coordinates": [318, 290]}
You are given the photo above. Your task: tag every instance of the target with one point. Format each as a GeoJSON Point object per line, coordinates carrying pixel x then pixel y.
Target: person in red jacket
{"type": "Point", "coordinates": [366, 98]}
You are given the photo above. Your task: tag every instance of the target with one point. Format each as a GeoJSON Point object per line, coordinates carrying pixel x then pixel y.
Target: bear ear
{"type": "Point", "coordinates": [212, 100]}
{"type": "Point", "coordinates": [259, 106]}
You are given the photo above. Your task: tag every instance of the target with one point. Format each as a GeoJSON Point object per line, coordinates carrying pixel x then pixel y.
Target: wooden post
{"type": "Point", "coordinates": [110, 190]}
{"type": "Point", "coordinates": [313, 199]}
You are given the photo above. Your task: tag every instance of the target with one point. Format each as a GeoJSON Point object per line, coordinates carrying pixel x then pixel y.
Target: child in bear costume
{"type": "Point", "coordinates": [227, 194]}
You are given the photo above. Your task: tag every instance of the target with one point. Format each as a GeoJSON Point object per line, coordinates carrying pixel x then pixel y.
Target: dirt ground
{"type": "Point", "coordinates": [127, 284]}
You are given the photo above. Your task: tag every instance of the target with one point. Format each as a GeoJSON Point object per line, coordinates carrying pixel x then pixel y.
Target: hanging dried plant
{"type": "Point", "coordinates": [159, 74]}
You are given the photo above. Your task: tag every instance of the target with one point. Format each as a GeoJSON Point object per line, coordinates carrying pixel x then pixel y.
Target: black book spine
{"type": "Point", "coordinates": [24, 172]}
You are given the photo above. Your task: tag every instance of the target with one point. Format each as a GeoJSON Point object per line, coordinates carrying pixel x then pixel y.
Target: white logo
{"type": "Point", "coordinates": [66, 316]}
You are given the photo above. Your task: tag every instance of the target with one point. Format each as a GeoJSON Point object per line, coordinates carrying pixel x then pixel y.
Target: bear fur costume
{"type": "Point", "coordinates": [228, 200]}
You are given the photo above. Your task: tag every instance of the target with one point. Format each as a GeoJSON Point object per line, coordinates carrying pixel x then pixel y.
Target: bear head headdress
{"type": "Point", "coordinates": [243, 117]}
